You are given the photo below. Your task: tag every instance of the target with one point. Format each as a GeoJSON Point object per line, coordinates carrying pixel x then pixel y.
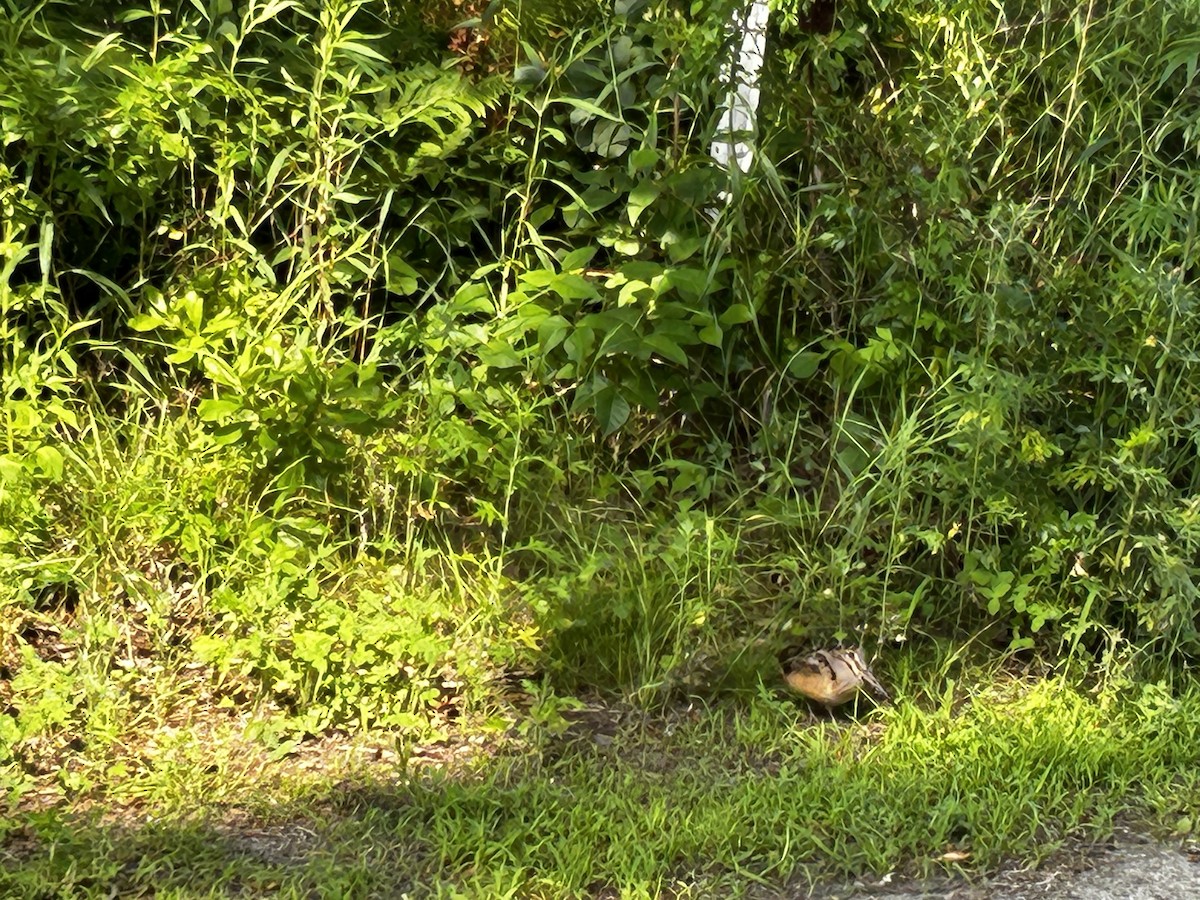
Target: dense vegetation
{"type": "Point", "coordinates": [370, 369]}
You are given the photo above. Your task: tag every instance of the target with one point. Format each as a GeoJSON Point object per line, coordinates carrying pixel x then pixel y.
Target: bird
{"type": "Point", "coordinates": [831, 677]}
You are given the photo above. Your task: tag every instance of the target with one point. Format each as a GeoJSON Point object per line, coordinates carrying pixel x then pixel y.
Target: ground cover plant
{"type": "Point", "coordinates": [730, 800]}
{"type": "Point", "coordinates": [407, 375]}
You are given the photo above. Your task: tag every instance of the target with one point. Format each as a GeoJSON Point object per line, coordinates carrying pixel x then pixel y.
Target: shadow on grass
{"type": "Point", "coordinates": [716, 801]}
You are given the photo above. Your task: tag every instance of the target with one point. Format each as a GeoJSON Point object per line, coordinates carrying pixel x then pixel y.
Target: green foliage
{"type": "Point", "coordinates": [299, 288]}
{"type": "Point", "coordinates": [969, 240]}
{"type": "Point", "coordinates": [761, 802]}
{"type": "Point", "coordinates": [331, 654]}
{"type": "Point", "coordinates": [374, 364]}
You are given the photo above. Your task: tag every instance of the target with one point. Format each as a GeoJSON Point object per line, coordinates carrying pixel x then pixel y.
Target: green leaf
{"type": "Point", "coordinates": [683, 248]}
{"type": "Point", "coordinates": [644, 158]}
{"type": "Point", "coordinates": [101, 47]}
{"type": "Point", "coordinates": [470, 299]}
{"type": "Point", "coordinates": [499, 355]}
{"type": "Point", "coordinates": [690, 282]}
{"type": "Point", "coordinates": [146, 322]}
{"type": "Point", "coordinates": [579, 344]}
{"type": "Point", "coordinates": [133, 15]}
{"type": "Point", "coordinates": [595, 199]}
{"type": "Point", "coordinates": [666, 348]}
{"type": "Point", "coordinates": [193, 307]}
{"type": "Point", "coordinates": [737, 314]}
{"type": "Point", "coordinates": [217, 410]}
{"type": "Point", "coordinates": [46, 246]}
{"type": "Point", "coordinates": [181, 356]}
{"type": "Point", "coordinates": [712, 334]}
{"type": "Point", "coordinates": [643, 194]}
{"type": "Point", "coordinates": [611, 409]}
{"type": "Point", "coordinates": [621, 340]}
{"type": "Point", "coordinates": [804, 365]}
{"type": "Point", "coordinates": [587, 107]}
{"type": "Point", "coordinates": [551, 333]}
{"type": "Point", "coordinates": [313, 647]}
{"type": "Point", "coordinates": [10, 468]}
{"type": "Point", "coordinates": [230, 433]}
{"type": "Point", "coordinates": [355, 48]}
{"type": "Point", "coordinates": [573, 287]}
{"type": "Point", "coordinates": [628, 7]}
{"type": "Point", "coordinates": [529, 75]}
{"type": "Point", "coordinates": [277, 165]}
{"type": "Point", "coordinates": [49, 461]}
{"type": "Point", "coordinates": [402, 279]}
{"type": "Point", "coordinates": [577, 259]}
{"type": "Point", "coordinates": [611, 139]}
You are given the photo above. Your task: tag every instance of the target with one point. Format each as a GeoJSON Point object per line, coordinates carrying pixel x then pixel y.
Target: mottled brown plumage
{"type": "Point", "coordinates": [831, 677]}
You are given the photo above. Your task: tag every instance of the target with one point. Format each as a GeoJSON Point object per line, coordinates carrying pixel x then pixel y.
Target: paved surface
{"type": "Point", "coordinates": [1146, 873]}
{"type": "Point", "coordinates": [1131, 868]}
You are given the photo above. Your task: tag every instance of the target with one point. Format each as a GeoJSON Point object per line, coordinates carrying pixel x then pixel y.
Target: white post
{"type": "Point", "coordinates": [738, 123]}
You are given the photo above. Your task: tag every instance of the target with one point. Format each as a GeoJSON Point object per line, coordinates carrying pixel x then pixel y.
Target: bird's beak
{"type": "Point", "coordinates": [875, 687]}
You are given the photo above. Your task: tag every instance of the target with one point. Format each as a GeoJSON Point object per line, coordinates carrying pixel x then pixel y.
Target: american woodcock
{"type": "Point", "coordinates": [831, 677]}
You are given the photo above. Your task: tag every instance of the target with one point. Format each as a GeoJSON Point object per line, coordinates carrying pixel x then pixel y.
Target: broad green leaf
{"type": "Point", "coordinates": [313, 647]}
{"type": "Point", "coordinates": [679, 250]}
{"type": "Point", "coordinates": [49, 461]}
{"type": "Point", "coordinates": [629, 7]}
{"type": "Point", "coordinates": [579, 344]}
{"type": "Point", "coordinates": [640, 270]}
{"type": "Point", "coordinates": [402, 279]}
{"type": "Point", "coordinates": [621, 340]}
{"type": "Point", "coordinates": [611, 409]}
{"type": "Point", "coordinates": [146, 322]}
{"type": "Point", "coordinates": [666, 348]}
{"type": "Point", "coordinates": [573, 287]}
{"type": "Point", "coordinates": [712, 334]}
{"type": "Point", "coordinates": [356, 48]}
{"type": "Point", "coordinates": [499, 355]}
{"type": "Point", "coordinates": [64, 414]}
{"type": "Point", "coordinates": [11, 468]}
{"type": "Point", "coordinates": [804, 365]}
{"type": "Point", "coordinates": [691, 283]}
{"type": "Point", "coordinates": [551, 332]}
{"type": "Point", "coordinates": [470, 298]}
{"type": "Point", "coordinates": [193, 308]}
{"type": "Point", "coordinates": [181, 356]}
{"type": "Point", "coordinates": [102, 46]}
{"type": "Point", "coordinates": [737, 314]}
{"type": "Point", "coordinates": [529, 75]}
{"type": "Point", "coordinates": [577, 259]}
{"type": "Point", "coordinates": [611, 139]}
{"type": "Point", "coordinates": [277, 164]}
{"type": "Point", "coordinates": [595, 199]}
{"type": "Point", "coordinates": [216, 410]}
{"type": "Point", "coordinates": [643, 194]}
{"type": "Point", "coordinates": [644, 158]}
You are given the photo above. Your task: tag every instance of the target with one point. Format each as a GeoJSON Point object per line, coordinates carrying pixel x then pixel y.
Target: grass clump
{"type": "Point", "coordinates": [961, 772]}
